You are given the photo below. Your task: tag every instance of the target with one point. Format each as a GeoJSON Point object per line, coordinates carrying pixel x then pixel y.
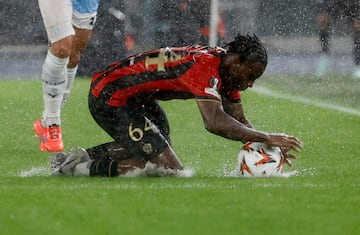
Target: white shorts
{"type": "Point", "coordinates": [59, 19]}
{"type": "Point", "coordinates": [83, 20]}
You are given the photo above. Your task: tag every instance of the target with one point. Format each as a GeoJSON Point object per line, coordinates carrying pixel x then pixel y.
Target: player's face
{"type": "Point", "coordinates": [242, 75]}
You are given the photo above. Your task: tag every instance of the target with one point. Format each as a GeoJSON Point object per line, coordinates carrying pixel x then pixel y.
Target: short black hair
{"type": "Point", "coordinates": [250, 48]}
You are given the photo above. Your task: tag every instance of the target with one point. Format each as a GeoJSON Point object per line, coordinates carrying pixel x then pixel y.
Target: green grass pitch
{"type": "Point", "coordinates": [324, 198]}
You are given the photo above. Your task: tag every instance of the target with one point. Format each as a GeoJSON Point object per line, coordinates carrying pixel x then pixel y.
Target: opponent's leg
{"type": "Point", "coordinates": [70, 75]}
{"type": "Point", "coordinates": [79, 44]}
{"type": "Point", "coordinates": [57, 20]}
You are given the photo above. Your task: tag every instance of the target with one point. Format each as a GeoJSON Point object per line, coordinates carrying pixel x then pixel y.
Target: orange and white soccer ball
{"type": "Point", "coordinates": [257, 159]}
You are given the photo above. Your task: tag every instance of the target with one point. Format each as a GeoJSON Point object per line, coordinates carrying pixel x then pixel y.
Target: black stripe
{"type": "Point", "coordinates": [133, 80]}
{"type": "Point", "coordinates": [123, 64]}
{"type": "Point", "coordinates": [111, 68]}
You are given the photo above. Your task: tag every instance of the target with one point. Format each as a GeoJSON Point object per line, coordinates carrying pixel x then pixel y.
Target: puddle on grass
{"type": "Point", "coordinates": [151, 170]}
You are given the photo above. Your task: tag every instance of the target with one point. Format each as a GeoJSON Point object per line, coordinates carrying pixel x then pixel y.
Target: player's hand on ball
{"type": "Point", "coordinates": [287, 156]}
{"type": "Point", "coordinates": [285, 141]}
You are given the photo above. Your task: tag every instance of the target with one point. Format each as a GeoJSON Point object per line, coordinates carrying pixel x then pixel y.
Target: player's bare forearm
{"type": "Point", "coordinates": [236, 111]}
{"type": "Point", "coordinates": [235, 130]}
{"type": "Point", "coordinates": [219, 122]}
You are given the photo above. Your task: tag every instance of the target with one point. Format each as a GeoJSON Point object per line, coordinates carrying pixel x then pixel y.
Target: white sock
{"type": "Point", "coordinates": [83, 169]}
{"type": "Point", "coordinates": [53, 78]}
{"type": "Point", "coordinates": [70, 75]}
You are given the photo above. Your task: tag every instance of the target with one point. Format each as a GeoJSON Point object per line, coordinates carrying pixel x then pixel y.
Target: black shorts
{"type": "Point", "coordinates": [142, 129]}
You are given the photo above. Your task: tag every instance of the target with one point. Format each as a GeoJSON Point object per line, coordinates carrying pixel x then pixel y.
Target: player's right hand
{"type": "Point", "coordinates": [285, 141]}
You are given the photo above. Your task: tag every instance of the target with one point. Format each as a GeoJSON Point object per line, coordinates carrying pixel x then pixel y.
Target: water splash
{"type": "Point", "coordinates": [35, 171]}
{"type": "Point", "coordinates": [284, 174]}
{"type": "Point", "coordinates": [153, 170]}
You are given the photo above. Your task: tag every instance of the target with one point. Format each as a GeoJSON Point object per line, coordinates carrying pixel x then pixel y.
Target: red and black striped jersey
{"type": "Point", "coordinates": [163, 74]}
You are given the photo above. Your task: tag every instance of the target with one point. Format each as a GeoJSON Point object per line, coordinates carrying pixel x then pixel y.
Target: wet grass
{"type": "Point", "coordinates": [336, 89]}
{"type": "Point", "coordinates": [322, 199]}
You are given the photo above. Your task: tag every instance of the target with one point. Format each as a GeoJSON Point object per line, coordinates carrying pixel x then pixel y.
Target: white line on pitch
{"type": "Point", "coordinates": [268, 92]}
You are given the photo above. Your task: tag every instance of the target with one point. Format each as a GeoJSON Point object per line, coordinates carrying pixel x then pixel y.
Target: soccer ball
{"type": "Point", "coordinates": [257, 159]}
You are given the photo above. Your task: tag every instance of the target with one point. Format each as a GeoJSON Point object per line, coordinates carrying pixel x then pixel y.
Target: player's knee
{"type": "Point", "coordinates": [62, 48]}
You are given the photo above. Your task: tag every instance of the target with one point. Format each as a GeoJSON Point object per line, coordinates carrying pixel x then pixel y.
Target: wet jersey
{"type": "Point", "coordinates": [167, 73]}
